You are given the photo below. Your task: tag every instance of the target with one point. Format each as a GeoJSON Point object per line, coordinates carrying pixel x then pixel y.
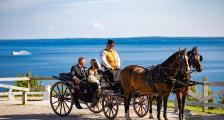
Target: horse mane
{"type": "Point", "coordinates": [169, 59]}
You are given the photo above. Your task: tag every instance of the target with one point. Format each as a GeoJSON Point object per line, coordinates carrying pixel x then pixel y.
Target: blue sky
{"type": "Point", "coordinates": [110, 18]}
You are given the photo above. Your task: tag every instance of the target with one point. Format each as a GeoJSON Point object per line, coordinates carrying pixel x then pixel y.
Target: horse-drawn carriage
{"type": "Point", "coordinates": [142, 84]}
{"type": "Point", "coordinates": [64, 92]}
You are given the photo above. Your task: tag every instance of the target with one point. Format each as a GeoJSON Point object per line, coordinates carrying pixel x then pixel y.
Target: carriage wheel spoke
{"type": "Point", "coordinates": [67, 99]}
{"type": "Point", "coordinates": [65, 91]}
{"type": "Point", "coordinates": [64, 107]}
{"type": "Point", "coordinates": [139, 109]}
{"type": "Point", "coordinates": [107, 110]}
{"type": "Point", "coordinates": [62, 91]}
{"type": "Point", "coordinates": [60, 108]}
{"type": "Point", "coordinates": [55, 102]}
{"type": "Point", "coordinates": [66, 104]}
{"type": "Point", "coordinates": [58, 105]}
{"type": "Point", "coordinates": [56, 93]}
{"type": "Point", "coordinates": [143, 109]}
{"type": "Point", "coordinates": [137, 105]}
{"type": "Point", "coordinates": [110, 98]}
{"type": "Point", "coordinates": [58, 89]}
{"type": "Point", "coordinates": [110, 112]}
{"type": "Point", "coordinates": [114, 109]}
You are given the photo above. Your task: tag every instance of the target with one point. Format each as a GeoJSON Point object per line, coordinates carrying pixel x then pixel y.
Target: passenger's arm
{"type": "Point", "coordinates": [77, 80]}
{"type": "Point", "coordinates": [72, 71]}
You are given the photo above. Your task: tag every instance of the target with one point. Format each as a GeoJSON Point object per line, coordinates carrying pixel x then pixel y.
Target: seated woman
{"type": "Point", "coordinates": [94, 76]}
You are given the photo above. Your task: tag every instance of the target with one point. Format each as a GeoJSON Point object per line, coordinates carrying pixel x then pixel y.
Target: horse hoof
{"type": "Point", "coordinates": [127, 117]}
{"type": "Point", "coordinates": [151, 117]}
{"type": "Point", "coordinates": [165, 118]}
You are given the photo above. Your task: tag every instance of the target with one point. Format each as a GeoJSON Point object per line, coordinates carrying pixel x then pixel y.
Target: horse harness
{"type": "Point", "coordinates": [167, 79]}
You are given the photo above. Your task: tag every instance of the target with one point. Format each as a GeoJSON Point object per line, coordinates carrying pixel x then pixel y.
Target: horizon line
{"type": "Point", "coordinates": [111, 37]}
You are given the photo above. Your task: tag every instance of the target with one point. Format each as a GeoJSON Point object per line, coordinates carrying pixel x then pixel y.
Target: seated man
{"type": "Point", "coordinates": [109, 57]}
{"type": "Point", "coordinates": [79, 72]}
{"type": "Point", "coordinates": [111, 62]}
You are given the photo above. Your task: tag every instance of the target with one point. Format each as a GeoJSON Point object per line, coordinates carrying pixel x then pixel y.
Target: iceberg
{"type": "Point", "coordinates": [23, 52]}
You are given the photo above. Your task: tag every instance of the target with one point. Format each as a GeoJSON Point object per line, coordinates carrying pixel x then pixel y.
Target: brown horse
{"type": "Point", "coordinates": [158, 80]}
{"type": "Point", "coordinates": [181, 92]}
{"type": "Point", "coordinates": [195, 62]}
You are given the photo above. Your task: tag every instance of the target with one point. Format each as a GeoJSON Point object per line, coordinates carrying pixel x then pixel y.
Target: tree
{"type": "Point", "coordinates": [34, 85]}
{"type": "Point", "coordinates": [194, 90]}
{"type": "Point", "coordinates": [221, 101]}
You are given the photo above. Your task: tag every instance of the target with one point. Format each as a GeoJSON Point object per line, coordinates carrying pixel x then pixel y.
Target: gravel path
{"type": "Point", "coordinates": [40, 110]}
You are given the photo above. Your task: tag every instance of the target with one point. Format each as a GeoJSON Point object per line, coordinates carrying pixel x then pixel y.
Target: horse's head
{"type": "Point", "coordinates": [178, 62]}
{"type": "Point", "coordinates": [182, 61]}
{"type": "Point", "coordinates": [195, 59]}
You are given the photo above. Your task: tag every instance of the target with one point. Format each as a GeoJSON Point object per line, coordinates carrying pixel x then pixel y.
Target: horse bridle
{"type": "Point", "coordinates": [181, 66]}
{"type": "Point", "coordinates": [191, 58]}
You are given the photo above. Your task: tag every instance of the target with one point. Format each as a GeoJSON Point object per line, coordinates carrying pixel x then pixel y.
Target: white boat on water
{"type": "Point", "coordinates": [23, 52]}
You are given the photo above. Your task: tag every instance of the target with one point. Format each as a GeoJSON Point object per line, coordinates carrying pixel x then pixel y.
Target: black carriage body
{"type": "Point", "coordinates": [84, 91]}
{"type": "Point", "coordinates": [111, 80]}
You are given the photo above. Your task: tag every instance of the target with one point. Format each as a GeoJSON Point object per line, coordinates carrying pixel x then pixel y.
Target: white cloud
{"type": "Point", "coordinates": [98, 25]}
{"type": "Point", "coordinates": [11, 5]}
{"type": "Point", "coordinates": [51, 27]}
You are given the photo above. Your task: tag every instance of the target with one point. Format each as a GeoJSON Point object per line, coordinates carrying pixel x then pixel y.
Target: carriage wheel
{"type": "Point", "coordinates": [110, 106]}
{"type": "Point", "coordinates": [61, 99]}
{"type": "Point", "coordinates": [98, 108]}
{"type": "Point", "coordinates": [141, 105]}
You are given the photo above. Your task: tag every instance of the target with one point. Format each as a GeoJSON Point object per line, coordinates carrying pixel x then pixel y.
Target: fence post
{"type": "Point", "coordinates": [24, 98]}
{"type": "Point", "coordinates": [29, 75]}
{"type": "Point", "coordinates": [205, 92]}
{"type": "Point", "coordinates": [47, 92]}
{"type": "Point", "coordinates": [10, 95]}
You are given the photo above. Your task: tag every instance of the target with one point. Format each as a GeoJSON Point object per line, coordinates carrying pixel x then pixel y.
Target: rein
{"type": "Point", "coordinates": [150, 69]}
{"type": "Point", "coordinates": [171, 78]}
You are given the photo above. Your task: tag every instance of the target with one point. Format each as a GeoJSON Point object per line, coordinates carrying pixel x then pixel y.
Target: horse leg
{"type": "Point", "coordinates": [179, 100]}
{"type": "Point", "coordinates": [126, 106]}
{"type": "Point", "coordinates": [183, 104]}
{"type": "Point", "coordinates": [165, 99]}
{"type": "Point", "coordinates": [159, 104]}
{"type": "Point", "coordinates": [127, 100]}
{"type": "Point", "coordinates": [150, 109]}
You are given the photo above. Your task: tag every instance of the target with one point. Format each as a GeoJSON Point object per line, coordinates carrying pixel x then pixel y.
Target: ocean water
{"type": "Point", "coordinates": [52, 56]}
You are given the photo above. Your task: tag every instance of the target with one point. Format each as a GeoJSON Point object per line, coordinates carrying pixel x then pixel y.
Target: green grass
{"type": "Point", "coordinates": [198, 109]}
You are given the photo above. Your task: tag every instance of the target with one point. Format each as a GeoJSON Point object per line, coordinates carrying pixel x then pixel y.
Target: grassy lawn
{"type": "Point", "coordinates": [199, 110]}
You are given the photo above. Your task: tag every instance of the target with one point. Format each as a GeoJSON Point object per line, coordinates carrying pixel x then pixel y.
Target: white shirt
{"type": "Point", "coordinates": [104, 60]}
